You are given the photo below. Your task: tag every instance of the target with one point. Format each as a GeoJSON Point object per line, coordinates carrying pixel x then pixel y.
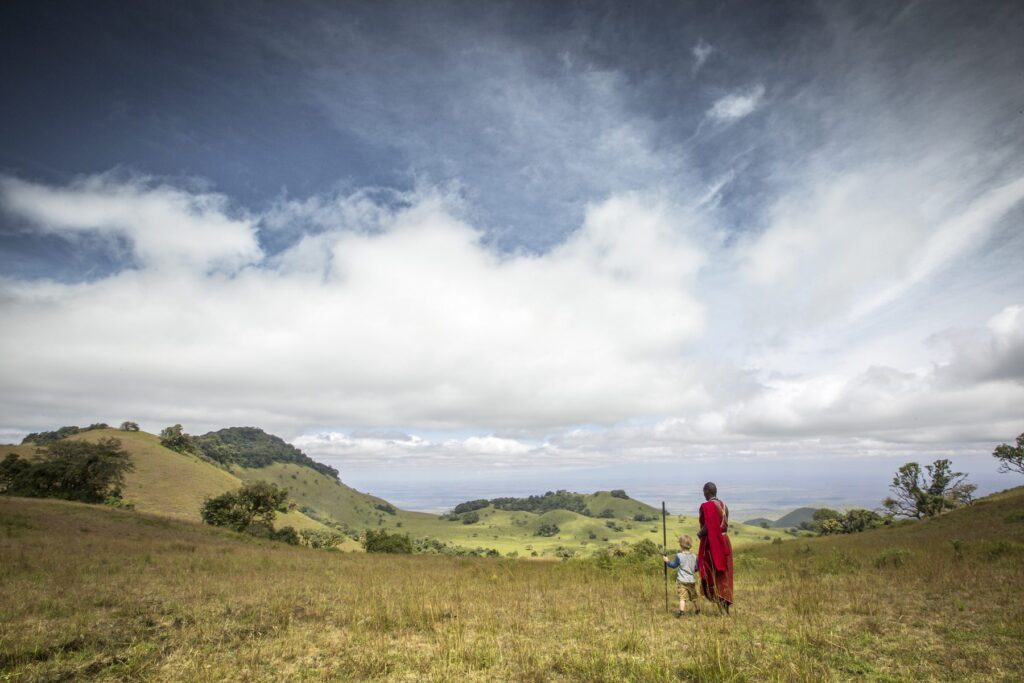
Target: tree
{"type": "Point", "coordinates": [85, 471]}
{"type": "Point", "coordinates": [924, 495]}
{"type": "Point", "coordinates": [547, 530]}
{"type": "Point", "coordinates": [470, 517]}
{"type": "Point", "coordinates": [1011, 459]}
{"type": "Point", "coordinates": [175, 438]}
{"type": "Point", "coordinates": [619, 493]}
{"type": "Point", "coordinates": [251, 508]}
{"type": "Point", "coordinates": [380, 541]}
{"type": "Point", "coordinates": [129, 426]}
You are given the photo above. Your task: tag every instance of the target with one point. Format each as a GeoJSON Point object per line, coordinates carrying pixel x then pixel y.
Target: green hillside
{"type": "Point", "coordinates": [168, 483]}
{"type": "Point", "coordinates": [253, 447]}
{"type": "Point", "coordinates": [791, 519]}
{"type": "Point", "coordinates": [98, 594]}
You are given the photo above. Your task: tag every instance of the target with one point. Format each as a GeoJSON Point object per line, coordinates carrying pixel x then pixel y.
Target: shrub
{"type": "Point", "coordinates": [129, 426]}
{"type": "Point", "coordinates": [380, 541]}
{"type": "Point", "coordinates": [645, 548]}
{"type": "Point", "coordinates": [607, 513]}
{"type": "Point", "coordinates": [386, 507]}
{"type": "Point", "coordinates": [892, 557]}
{"type": "Point", "coordinates": [547, 530]}
{"type": "Point", "coordinates": [76, 470]}
{"type": "Point", "coordinates": [253, 504]}
{"type": "Point", "coordinates": [318, 538]}
{"type": "Point", "coordinates": [619, 493]}
{"type": "Point", "coordinates": [175, 438]}
{"type": "Point", "coordinates": [470, 518]}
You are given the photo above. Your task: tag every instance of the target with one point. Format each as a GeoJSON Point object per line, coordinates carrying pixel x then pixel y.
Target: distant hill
{"type": "Point", "coordinates": [253, 447]}
{"type": "Point", "coordinates": [791, 519]}
{"type": "Point", "coordinates": [608, 504]}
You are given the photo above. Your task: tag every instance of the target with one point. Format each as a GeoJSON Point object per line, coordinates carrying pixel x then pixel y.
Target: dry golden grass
{"type": "Point", "coordinates": [97, 594]}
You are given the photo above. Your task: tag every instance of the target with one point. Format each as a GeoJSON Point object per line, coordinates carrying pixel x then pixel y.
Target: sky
{"type": "Point", "coordinates": [522, 243]}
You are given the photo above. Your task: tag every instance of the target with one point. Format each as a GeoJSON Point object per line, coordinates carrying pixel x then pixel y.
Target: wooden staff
{"type": "Point", "coordinates": [664, 544]}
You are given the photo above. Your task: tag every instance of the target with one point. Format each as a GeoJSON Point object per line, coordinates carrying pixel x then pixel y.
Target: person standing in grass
{"type": "Point", "coordinates": [686, 580]}
{"type": "Point", "coordinates": [714, 555]}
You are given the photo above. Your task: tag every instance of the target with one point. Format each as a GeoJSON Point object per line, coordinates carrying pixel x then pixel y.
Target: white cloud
{"type": "Point", "coordinates": [737, 105]}
{"type": "Point", "coordinates": [410, 321]}
{"type": "Point", "coordinates": [701, 51]}
{"type": "Point", "coordinates": [167, 227]}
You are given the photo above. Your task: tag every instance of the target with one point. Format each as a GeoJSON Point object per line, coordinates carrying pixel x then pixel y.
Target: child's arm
{"type": "Point", "coordinates": [673, 563]}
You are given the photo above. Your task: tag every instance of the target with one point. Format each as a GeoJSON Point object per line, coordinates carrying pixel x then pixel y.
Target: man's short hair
{"type": "Point", "coordinates": [711, 488]}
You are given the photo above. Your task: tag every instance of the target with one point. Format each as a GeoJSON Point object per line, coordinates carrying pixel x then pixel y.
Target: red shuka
{"type": "Point", "coordinates": [714, 554]}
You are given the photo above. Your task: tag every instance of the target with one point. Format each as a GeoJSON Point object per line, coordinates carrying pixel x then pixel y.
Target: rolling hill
{"type": "Point", "coordinates": [173, 484]}
{"type": "Point", "coordinates": [791, 519]}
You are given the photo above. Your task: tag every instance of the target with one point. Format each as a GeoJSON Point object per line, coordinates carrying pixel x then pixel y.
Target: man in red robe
{"type": "Point", "coordinates": [714, 556]}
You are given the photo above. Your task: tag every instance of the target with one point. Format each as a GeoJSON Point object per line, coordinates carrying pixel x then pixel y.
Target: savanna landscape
{"type": "Point", "coordinates": [95, 592]}
{"type": "Point", "coordinates": [518, 341]}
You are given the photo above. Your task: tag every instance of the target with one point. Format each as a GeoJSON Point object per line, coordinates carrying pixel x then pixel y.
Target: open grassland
{"type": "Point", "coordinates": [90, 593]}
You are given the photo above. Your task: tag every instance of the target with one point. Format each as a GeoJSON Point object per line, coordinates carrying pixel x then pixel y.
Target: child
{"type": "Point", "coordinates": [686, 582]}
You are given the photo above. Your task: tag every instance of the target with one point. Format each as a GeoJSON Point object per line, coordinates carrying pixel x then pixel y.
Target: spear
{"type": "Point", "coordinates": [664, 544]}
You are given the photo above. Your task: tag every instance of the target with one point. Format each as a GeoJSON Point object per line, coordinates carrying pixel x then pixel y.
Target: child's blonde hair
{"type": "Point", "coordinates": [685, 542]}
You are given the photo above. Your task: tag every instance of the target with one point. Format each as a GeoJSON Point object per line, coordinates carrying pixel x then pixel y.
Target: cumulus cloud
{"type": "Point", "coordinates": [737, 105]}
{"type": "Point", "coordinates": [410, 320]}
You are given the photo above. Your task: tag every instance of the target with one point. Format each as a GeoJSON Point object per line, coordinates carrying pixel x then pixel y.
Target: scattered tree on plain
{"type": "Point", "coordinates": [127, 426]}
{"type": "Point", "coordinates": [72, 470]}
{"type": "Point", "coordinates": [918, 495]}
{"type": "Point", "coordinates": [1011, 458]}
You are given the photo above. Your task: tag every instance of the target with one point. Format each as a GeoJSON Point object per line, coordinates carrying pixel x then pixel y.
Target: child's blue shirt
{"type": "Point", "coordinates": [687, 564]}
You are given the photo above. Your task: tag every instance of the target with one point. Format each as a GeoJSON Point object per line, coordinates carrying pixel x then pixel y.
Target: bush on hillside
{"type": "Point", "coordinates": [547, 530]}
{"type": "Point", "coordinates": [75, 470]}
{"type": "Point", "coordinates": [645, 548]}
{"type": "Point", "coordinates": [607, 513]}
{"type": "Point", "coordinates": [249, 508]}
{"type": "Point", "coordinates": [175, 438]}
{"type": "Point", "coordinates": [470, 518]}
{"type": "Point", "coordinates": [380, 541]}
{"type": "Point", "coordinates": [386, 507]}
{"type": "Point", "coordinates": [619, 493]}
{"type": "Point", "coordinates": [127, 426]}
{"type": "Point", "coordinates": [44, 438]}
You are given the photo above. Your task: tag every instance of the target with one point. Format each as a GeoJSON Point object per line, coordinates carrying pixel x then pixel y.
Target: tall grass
{"type": "Point", "coordinates": [96, 594]}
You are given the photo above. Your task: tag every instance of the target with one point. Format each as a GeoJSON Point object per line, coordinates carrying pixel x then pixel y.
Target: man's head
{"type": "Point", "coordinates": [710, 490]}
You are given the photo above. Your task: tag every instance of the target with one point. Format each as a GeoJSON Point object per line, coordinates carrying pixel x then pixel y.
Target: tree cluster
{"type": "Point", "coordinates": [72, 470]}
{"type": "Point", "coordinates": [827, 522]}
{"type": "Point", "coordinates": [253, 447]}
{"type": "Point", "coordinates": [547, 530]}
{"type": "Point", "coordinates": [44, 438]}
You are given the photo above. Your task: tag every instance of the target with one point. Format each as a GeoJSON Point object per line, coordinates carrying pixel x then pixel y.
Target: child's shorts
{"type": "Point", "coordinates": [687, 591]}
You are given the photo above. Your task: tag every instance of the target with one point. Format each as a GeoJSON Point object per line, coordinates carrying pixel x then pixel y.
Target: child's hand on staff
{"type": "Point", "coordinates": [664, 558]}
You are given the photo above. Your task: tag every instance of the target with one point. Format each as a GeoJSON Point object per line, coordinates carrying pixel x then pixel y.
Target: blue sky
{"type": "Point", "coordinates": [518, 236]}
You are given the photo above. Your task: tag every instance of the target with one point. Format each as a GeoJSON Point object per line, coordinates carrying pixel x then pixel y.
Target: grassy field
{"type": "Point", "coordinates": [90, 593]}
